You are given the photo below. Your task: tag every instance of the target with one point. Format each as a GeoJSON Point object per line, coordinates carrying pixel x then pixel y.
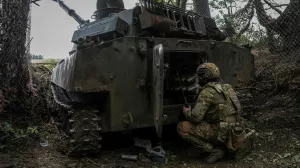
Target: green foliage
{"type": "Point", "coordinates": [11, 135]}
{"type": "Point", "coordinates": [50, 63]}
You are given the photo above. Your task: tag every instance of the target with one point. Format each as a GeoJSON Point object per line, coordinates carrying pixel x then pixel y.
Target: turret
{"type": "Point", "coordinates": [149, 18]}
{"type": "Point", "coordinates": [107, 7]}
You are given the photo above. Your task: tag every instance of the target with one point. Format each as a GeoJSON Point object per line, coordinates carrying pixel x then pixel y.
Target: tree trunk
{"type": "Point", "coordinates": [286, 25]}
{"type": "Point", "coordinates": [183, 4]}
{"type": "Point", "coordinates": [14, 74]}
{"type": "Point", "coordinates": [201, 7]}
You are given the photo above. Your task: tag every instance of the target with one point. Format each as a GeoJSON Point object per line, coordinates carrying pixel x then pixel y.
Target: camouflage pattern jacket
{"type": "Point", "coordinates": [216, 103]}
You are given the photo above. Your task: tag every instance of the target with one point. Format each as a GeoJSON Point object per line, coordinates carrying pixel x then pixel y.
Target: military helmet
{"type": "Point", "coordinates": [208, 70]}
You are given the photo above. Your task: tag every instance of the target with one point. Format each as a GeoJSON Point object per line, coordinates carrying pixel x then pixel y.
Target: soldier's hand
{"type": "Point", "coordinates": [185, 110]}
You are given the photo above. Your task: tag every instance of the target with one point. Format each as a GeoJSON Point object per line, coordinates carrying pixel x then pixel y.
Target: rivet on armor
{"type": "Point", "coordinates": [165, 117]}
{"type": "Point", "coordinates": [112, 76]}
{"type": "Point", "coordinates": [213, 45]}
{"type": "Point", "coordinates": [142, 48]}
{"type": "Point", "coordinates": [141, 83]}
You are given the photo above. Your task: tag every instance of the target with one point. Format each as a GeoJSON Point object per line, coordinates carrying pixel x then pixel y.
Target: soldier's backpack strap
{"type": "Point", "coordinates": [231, 94]}
{"type": "Point", "coordinates": [228, 93]}
{"type": "Point", "coordinates": [233, 97]}
{"type": "Point", "coordinates": [216, 86]}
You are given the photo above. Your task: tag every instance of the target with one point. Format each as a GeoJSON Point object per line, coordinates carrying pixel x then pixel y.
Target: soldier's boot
{"type": "Point", "coordinates": [215, 155]}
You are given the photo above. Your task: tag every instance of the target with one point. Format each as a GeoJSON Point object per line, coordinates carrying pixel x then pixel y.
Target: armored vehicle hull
{"type": "Point", "coordinates": [140, 73]}
{"type": "Point", "coordinates": [115, 79]}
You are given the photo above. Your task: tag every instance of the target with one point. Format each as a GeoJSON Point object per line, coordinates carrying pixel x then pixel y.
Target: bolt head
{"type": "Point", "coordinates": [165, 117]}
{"type": "Point", "coordinates": [166, 66]}
{"type": "Point", "coordinates": [143, 51]}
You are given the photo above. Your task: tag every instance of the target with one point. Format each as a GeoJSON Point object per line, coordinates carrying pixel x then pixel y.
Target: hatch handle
{"type": "Point", "coordinates": [184, 42]}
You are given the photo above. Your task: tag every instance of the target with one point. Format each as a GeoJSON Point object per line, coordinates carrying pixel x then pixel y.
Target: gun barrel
{"type": "Point", "coordinates": [71, 12]}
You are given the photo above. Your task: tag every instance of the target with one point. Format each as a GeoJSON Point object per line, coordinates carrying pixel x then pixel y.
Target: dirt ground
{"type": "Point", "coordinates": [274, 148]}
{"type": "Point", "coordinates": [277, 145]}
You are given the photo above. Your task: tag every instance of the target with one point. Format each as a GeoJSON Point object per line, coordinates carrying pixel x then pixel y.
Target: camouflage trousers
{"type": "Point", "coordinates": [202, 135]}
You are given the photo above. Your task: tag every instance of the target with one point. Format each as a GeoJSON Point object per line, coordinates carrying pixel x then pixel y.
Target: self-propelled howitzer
{"type": "Point", "coordinates": [129, 69]}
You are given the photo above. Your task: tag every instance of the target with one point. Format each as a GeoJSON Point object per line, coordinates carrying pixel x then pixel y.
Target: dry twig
{"type": "Point", "coordinates": [88, 159]}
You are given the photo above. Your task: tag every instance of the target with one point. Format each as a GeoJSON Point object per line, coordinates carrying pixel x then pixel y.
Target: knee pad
{"type": "Point", "coordinates": [184, 128]}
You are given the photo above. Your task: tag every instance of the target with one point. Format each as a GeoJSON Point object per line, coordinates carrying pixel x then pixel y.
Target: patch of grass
{"type": "Point", "coordinates": [50, 63]}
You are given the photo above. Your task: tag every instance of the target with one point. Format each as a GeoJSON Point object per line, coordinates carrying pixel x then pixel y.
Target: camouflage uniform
{"type": "Point", "coordinates": [216, 104]}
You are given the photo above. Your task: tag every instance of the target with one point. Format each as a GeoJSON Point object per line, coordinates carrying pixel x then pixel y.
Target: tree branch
{"type": "Point", "coordinates": [228, 9]}
{"type": "Point", "coordinates": [183, 4]}
{"type": "Point", "coordinates": [243, 30]}
{"type": "Point", "coordinates": [262, 16]}
{"type": "Point", "coordinates": [178, 3]}
{"type": "Point", "coordinates": [246, 7]}
{"type": "Point", "coordinates": [278, 6]}
{"type": "Point", "coordinates": [35, 2]}
{"type": "Point", "coordinates": [273, 7]}
{"type": "Point", "coordinates": [229, 29]}
{"type": "Point", "coordinates": [283, 25]}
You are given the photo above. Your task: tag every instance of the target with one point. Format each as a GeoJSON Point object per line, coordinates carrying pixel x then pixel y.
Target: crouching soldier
{"type": "Point", "coordinates": [214, 124]}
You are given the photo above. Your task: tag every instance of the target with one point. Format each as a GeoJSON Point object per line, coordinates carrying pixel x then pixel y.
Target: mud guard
{"type": "Point", "coordinates": [158, 87]}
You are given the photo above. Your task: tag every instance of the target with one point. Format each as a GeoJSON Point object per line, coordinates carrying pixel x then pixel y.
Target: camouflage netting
{"type": "Point", "coordinates": [270, 28]}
